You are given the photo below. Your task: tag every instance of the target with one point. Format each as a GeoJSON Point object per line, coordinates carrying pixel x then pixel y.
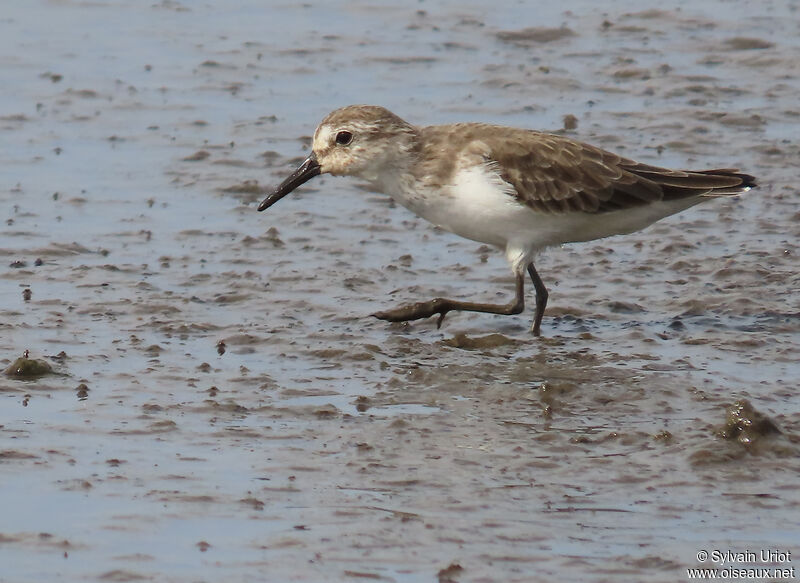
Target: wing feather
{"type": "Point", "coordinates": [557, 175]}
{"type": "Point", "coordinates": [560, 175]}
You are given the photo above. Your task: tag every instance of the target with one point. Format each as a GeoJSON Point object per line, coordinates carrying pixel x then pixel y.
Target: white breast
{"type": "Point", "coordinates": [477, 205]}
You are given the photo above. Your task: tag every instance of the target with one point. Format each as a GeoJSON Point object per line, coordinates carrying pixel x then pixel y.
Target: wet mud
{"type": "Point", "coordinates": [222, 406]}
{"type": "Point", "coordinates": [25, 368]}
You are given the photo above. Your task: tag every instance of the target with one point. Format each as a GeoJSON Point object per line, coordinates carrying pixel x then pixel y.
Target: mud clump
{"type": "Point", "coordinates": [746, 432]}
{"type": "Point", "coordinates": [465, 342]}
{"type": "Point", "coordinates": [25, 368]}
{"type": "Point", "coordinates": [746, 425]}
{"type": "Point", "coordinates": [748, 44]}
{"type": "Point", "coordinates": [450, 574]}
{"type": "Point", "coordinates": [82, 391]}
{"type": "Point", "coordinates": [197, 156]}
{"type": "Point", "coordinates": [552, 394]}
{"type": "Point", "coordinates": [535, 35]}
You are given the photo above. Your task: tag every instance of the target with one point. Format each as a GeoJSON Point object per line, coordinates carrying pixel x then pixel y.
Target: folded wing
{"type": "Point", "coordinates": [554, 174]}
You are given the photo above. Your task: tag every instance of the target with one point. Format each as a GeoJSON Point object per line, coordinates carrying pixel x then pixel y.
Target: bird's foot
{"type": "Point", "coordinates": [418, 311]}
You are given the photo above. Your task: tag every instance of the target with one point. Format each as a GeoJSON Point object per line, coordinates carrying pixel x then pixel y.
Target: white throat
{"type": "Point", "coordinates": [401, 185]}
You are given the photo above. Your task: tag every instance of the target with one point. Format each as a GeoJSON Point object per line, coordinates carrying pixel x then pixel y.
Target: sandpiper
{"type": "Point", "coordinates": [516, 189]}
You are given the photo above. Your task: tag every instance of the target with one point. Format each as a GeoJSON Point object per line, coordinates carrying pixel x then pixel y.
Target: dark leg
{"type": "Point", "coordinates": [442, 305]}
{"type": "Point", "coordinates": [541, 300]}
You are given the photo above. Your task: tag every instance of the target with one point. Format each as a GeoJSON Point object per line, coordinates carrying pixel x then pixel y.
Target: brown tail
{"type": "Point", "coordinates": [746, 182]}
{"type": "Point", "coordinates": [677, 184]}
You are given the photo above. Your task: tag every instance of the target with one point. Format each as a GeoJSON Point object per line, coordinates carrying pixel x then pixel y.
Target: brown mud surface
{"type": "Point", "coordinates": [221, 407]}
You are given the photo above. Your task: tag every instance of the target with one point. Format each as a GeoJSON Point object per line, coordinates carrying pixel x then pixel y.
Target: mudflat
{"type": "Point", "coordinates": [206, 396]}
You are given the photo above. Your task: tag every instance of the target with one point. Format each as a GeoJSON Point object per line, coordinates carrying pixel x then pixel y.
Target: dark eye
{"type": "Point", "coordinates": [344, 138]}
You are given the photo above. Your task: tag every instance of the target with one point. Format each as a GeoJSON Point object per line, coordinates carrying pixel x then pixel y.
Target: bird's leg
{"type": "Point", "coordinates": [541, 300]}
{"type": "Point", "coordinates": [443, 305]}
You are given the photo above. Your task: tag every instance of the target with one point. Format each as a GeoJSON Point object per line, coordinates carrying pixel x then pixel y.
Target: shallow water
{"type": "Point", "coordinates": [322, 444]}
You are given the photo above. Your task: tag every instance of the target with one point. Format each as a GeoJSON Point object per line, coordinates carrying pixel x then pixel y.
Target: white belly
{"type": "Point", "coordinates": [479, 205]}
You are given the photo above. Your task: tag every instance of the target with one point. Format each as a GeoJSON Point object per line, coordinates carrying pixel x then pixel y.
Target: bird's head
{"type": "Point", "coordinates": [358, 140]}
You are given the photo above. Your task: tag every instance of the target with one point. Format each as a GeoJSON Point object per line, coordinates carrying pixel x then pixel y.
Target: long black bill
{"type": "Point", "coordinates": [307, 170]}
